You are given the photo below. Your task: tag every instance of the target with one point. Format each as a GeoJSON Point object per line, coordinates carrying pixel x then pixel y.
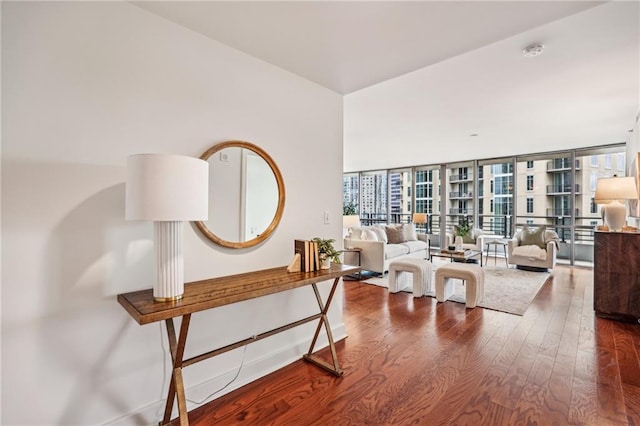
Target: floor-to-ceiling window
{"type": "Point", "coordinates": [427, 199]}
{"type": "Point", "coordinates": [400, 196]}
{"type": "Point", "coordinates": [495, 196]}
{"type": "Point", "coordinates": [374, 197]}
{"type": "Point", "coordinates": [552, 189]}
{"type": "Point", "coordinates": [460, 194]}
{"type": "Point", "coordinates": [351, 192]}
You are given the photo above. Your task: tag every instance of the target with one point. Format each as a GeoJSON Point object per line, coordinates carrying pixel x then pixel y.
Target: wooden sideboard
{"type": "Point", "coordinates": [212, 293]}
{"type": "Point", "coordinates": [616, 275]}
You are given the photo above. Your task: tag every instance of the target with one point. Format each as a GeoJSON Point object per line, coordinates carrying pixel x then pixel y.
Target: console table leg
{"type": "Point", "coordinates": [176, 386]}
{"type": "Point", "coordinates": [335, 368]}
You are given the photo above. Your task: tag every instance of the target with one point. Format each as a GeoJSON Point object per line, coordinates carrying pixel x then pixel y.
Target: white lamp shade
{"type": "Point", "coordinates": [419, 218]}
{"type": "Point", "coordinates": [615, 188]}
{"type": "Point", "coordinates": [350, 221]}
{"type": "Point", "coordinates": [166, 187]}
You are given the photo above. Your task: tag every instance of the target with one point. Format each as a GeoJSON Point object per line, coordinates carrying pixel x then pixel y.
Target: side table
{"type": "Point", "coordinates": [357, 251]}
{"type": "Point", "coordinates": [495, 244]}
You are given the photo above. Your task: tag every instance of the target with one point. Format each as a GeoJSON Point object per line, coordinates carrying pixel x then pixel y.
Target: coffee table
{"type": "Point", "coordinates": [458, 255]}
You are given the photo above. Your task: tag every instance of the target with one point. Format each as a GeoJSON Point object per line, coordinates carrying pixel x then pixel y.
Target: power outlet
{"type": "Point", "coordinates": [327, 220]}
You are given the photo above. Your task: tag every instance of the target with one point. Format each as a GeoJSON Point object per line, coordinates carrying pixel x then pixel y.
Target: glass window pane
{"type": "Point", "coordinates": [400, 196]}
{"type": "Point", "coordinates": [374, 197]}
{"type": "Point", "coordinates": [460, 194]}
{"type": "Point", "coordinates": [495, 205]}
{"type": "Point", "coordinates": [350, 192]}
{"type": "Point", "coordinates": [427, 184]}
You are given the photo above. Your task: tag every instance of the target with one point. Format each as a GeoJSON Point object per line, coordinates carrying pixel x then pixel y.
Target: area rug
{"type": "Point", "coordinates": [505, 289]}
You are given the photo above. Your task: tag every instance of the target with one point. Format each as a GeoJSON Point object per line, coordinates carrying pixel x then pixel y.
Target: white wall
{"type": "Point", "coordinates": [582, 91]}
{"type": "Point", "coordinates": [84, 86]}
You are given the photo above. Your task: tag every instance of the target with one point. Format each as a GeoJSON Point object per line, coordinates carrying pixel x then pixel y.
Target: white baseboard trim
{"type": "Point", "coordinates": [253, 370]}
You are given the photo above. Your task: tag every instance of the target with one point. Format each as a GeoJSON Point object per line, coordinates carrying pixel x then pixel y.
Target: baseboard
{"type": "Point", "coordinates": [257, 368]}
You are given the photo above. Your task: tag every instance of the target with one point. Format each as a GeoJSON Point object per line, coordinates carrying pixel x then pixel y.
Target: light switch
{"type": "Point", "coordinates": [326, 218]}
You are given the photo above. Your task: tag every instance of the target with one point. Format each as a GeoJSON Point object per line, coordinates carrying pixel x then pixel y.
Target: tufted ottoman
{"type": "Point", "coordinates": [473, 276]}
{"type": "Point", "coordinates": [420, 271]}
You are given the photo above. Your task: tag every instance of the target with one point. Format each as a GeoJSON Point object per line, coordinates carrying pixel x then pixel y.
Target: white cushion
{"type": "Point", "coordinates": [368, 235]}
{"type": "Point", "coordinates": [380, 233]}
{"type": "Point", "coordinates": [410, 232]}
{"type": "Point", "coordinates": [532, 252]}
{"type": "Point", "coordinates": [415, 246]}
{"type": "Point", "coordinates": [395, 250]}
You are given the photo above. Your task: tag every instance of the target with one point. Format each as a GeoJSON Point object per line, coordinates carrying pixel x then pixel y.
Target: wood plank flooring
{"type": "Point", "coordinates": [417, 362]}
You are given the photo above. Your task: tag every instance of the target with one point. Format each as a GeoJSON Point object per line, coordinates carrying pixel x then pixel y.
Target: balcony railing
{"type": "Point", "coordinates": [561, 189]}
{"type": "Point", "coordinates": [460, 211]}
{"type": "Point", "coordinates": [561, 165]}
{"type": "Point", "coordinates": [561, 212]}
{"type": "Point", "coordinates": [494, 224]}
{"type": "Point", "coordinates": [460, 178]}
{"type": "Point", "coordinates": [453, 195]}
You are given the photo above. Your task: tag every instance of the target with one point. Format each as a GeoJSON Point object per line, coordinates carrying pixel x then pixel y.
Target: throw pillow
{"type": "Point", "coordinates": [468, 239]}
{"type": "Point", "coordinates": [410, 232]}
{"type": "Point", "coordinates": [369, 235]}
{"type": "Point", "coordinates": [533, 238]}
{"type": "Point", "coordinates": [380, 233]}
{"type": "Point", "coordinates": [395, 234]}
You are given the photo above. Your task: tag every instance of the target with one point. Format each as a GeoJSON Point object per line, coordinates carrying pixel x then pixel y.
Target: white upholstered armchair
{"type": "Point", "coordinates": [473, 241]}
{"type": "Point", "coordinates": [533, 250]}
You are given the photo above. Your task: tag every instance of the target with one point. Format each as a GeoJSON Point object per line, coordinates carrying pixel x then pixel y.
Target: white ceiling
{"type": "Point", "coordinates": [423, 76]}
{"type": "Point", "coordinates": [346, 46]}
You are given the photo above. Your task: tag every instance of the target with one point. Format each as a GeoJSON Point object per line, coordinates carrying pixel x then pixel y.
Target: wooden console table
{"type": "Point", "coordinates": [208, 294]}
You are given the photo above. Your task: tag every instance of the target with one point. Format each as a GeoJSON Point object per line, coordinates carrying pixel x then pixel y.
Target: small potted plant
{"type": "Point", "coordinates": [327, 252]}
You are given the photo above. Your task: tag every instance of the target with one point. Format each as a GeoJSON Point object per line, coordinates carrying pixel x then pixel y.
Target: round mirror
{"type": "Point", "coordinates": [246, 195]}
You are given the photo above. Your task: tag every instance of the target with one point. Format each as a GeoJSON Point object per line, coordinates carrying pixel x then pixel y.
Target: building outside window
{"type": "Point", "coordinates": [351, 190]}
{"type": "Point", "coordinates": [562, 199]}
{"type": "Point", "coordinates": [374, 190]}
{"type": "Point", "coordinates": [593, 181]}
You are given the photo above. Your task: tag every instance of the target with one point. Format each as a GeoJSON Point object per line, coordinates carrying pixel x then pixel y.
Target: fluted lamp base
{"type": "Point", "coordinates": [169, 282]}
{"type": "Point", "coordinates": [615, 216]}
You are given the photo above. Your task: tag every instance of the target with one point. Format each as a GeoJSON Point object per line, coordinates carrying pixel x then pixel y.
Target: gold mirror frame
{"type": "Point", "coordinates": [281, 196]}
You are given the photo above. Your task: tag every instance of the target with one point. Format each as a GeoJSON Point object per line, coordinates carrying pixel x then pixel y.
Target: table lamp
{"type": "Point", "coordinates": [350, 221]}
{"type": "Point", "coordinates": [167, 189]}
{"type": "Point", "coordinates": [612, 192]}
{"type": "Point", "coordinates": [419, 218]}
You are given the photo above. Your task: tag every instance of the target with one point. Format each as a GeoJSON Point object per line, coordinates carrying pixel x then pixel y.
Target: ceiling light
{"type": "Point", "coordinates": [533, 50]}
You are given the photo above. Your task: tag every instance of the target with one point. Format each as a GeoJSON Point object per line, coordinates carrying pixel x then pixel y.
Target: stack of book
{"type": "Point", "coordinates": [309, 256]}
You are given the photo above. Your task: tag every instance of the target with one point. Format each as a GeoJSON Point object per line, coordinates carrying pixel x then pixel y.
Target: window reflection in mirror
{"type": "Point", "coordinates": [246, 195]}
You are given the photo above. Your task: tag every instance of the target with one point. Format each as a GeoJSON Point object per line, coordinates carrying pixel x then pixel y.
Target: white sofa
{"type": "Point", "coordinates": [533, 256]}
{"type": "Point", "coordinates": [377, 254]}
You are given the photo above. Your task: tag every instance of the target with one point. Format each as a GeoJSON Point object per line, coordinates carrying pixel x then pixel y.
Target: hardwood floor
{"type": "Point", "coordinates": [414, 361]}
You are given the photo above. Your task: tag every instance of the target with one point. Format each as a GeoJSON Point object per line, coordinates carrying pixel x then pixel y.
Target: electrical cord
{"type": "Point", "coordinates": [160, 411]}
{"type": "Point", "coordinates": [244, 351]}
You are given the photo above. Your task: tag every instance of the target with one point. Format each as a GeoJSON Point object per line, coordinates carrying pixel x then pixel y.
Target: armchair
{"type": "Point", "coordinates": [474, 240]}
{"type": "Point", "coordinates": [533, 250]}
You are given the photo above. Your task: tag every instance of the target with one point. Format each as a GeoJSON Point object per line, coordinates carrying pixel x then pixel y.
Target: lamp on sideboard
{"type": "Point", "coordinates": [167, 189]}
{"type": "Point", "coordinates": [350, 221]}
{"type": "Point", "coordinates": [613, 192]}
